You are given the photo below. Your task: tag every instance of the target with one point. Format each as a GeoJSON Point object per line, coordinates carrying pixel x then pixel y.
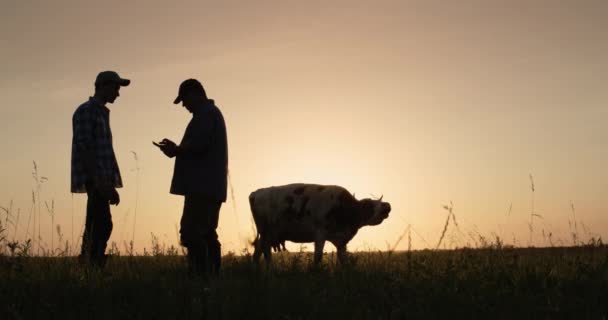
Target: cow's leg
{"type": "Point", "coordinates": [257, 251]}
{"type": "Point", "coordinates": [341, 248]}
{"type": "Point", "coordinates": [342, 254]}
{"type": "Point", "coordinates": [319, 244]}
{"type": "Point", "coordinates": [266, 249]}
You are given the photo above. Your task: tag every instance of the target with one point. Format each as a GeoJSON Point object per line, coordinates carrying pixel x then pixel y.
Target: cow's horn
{"type": "Point", "coordinates": [381, 198]}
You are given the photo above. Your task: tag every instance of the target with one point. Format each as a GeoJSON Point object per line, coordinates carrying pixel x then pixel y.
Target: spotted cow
{"type": "Point", "coordinates": [311, 213]}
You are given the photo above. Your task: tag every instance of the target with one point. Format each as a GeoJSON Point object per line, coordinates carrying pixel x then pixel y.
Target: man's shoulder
{"type": "Point", "coordinates": [83, 106]}
{"type": "Point", "coordinates": [211, 107]}
{"type": "Point", "coordinates": [211, 113]}
{"type": "Point", "coordinates": [83, 109]}
{"type": "Point", "coordinates": [217, 113]}
{"type": "Point", "coordinates": [85, 113]}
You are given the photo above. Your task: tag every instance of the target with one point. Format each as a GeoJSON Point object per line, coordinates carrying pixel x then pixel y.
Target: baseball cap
{"type": "Point", "coordinates": [111, 77]}
{"type": "Point", "coordinates": [186, 86]}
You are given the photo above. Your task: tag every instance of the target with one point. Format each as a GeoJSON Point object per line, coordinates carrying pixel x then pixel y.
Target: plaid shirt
{"type": "Point", "coordinates": [91, 133]}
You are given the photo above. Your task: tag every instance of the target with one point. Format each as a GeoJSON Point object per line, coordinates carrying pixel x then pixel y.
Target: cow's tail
{"type": "Point", "coordinates": [255, 240]}
{"type": "Point", "coordinates": [255, 228]}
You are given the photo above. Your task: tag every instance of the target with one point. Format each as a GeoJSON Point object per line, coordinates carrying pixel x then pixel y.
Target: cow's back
{"type": "Point", "coordinates": [294, 210]}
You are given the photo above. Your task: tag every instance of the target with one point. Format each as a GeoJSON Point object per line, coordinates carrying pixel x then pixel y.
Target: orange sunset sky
{"type": "Point", "coordinates": [425, 102]}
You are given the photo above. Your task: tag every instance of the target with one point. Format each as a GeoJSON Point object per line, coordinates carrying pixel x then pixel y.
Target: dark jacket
{"type": "Point", "coordinates": [201, 169]}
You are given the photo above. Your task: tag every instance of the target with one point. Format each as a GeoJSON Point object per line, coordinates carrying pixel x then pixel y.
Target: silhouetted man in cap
{"type": "Point", "coordinates": [200, 175]}
{"type": "Point", "coordinates": [94, 167]}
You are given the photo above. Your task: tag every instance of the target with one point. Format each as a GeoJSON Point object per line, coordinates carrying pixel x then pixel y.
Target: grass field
{"type": "Point", "coordinates": [532, 283]}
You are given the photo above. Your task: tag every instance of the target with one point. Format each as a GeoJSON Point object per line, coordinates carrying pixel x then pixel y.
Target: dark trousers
{"type": "Point", "coordinates": [97, 229]}
{"type": "Point", "coordinates": [198, 234]}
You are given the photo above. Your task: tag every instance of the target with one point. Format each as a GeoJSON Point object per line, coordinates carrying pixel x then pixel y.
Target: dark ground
{"type": "Point", "coordinates": [568, 283]}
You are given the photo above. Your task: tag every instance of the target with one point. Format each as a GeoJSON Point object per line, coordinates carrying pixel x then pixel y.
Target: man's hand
{"type": "Point", "coordinates": [114, 197]}
{"type": "Point", "coordinates": [168, 147]}
{"type": "Point", "coordinates": [110, 194]}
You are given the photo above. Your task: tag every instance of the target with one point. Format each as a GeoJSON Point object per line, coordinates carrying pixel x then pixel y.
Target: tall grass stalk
{"type": "Point", "coordinates": [405, 232]}
{"type": "Point", "coordinates": [8, 220]}
{"type": "Point", "coordinates": [72, 228]}
{"type": "Point", "coordinates": [575, 233]}
{"type": "Point", "coordinates": [531, 224]}
{"type": "Point", "coordinates": [34, 203]}
{"type": "Point", "coordinates": [409, 250]}
{"type": "Point", "coordinates": [136, 196]}
{"type": "Point", "coordinates": [29, 218]}
{"type": "Point", "coordinates": [4, 234]}
{"type": "Point", "coordinates": [232, 197]}
{"type": "Point", "coordinates": [420, 236]}
{"type": "Point", "coordinates": [51, 211]}
{"type": "Point", "coordinates": [2, 238]}
{"type": "Point", "coordinates": [39, 181]}
{"type": "Point", "coordinates": [16, 224]}
{"type": "Point", "coordinates": [507, 218]}
{"type": "Point", "coordinates": [449, 208]}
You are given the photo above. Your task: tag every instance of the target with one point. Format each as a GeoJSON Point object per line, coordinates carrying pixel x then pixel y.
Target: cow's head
{"type": "Point", "coordinates": [373, 212]}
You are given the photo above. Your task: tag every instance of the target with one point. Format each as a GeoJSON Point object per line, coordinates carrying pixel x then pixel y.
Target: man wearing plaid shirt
{"type": "Point", "coordinates": [94, 167]}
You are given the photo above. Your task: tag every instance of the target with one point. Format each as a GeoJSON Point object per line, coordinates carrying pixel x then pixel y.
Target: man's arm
{"type": "Point", "coordinates": [201, 136]}
{"type": "Point", "coordinates": [168, 147]}
{"type": "Point", "coordinates": [83, 126]}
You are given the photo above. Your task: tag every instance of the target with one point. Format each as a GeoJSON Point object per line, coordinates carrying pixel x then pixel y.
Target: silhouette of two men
{"type": "Point", "coordinates": [200, 171]}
